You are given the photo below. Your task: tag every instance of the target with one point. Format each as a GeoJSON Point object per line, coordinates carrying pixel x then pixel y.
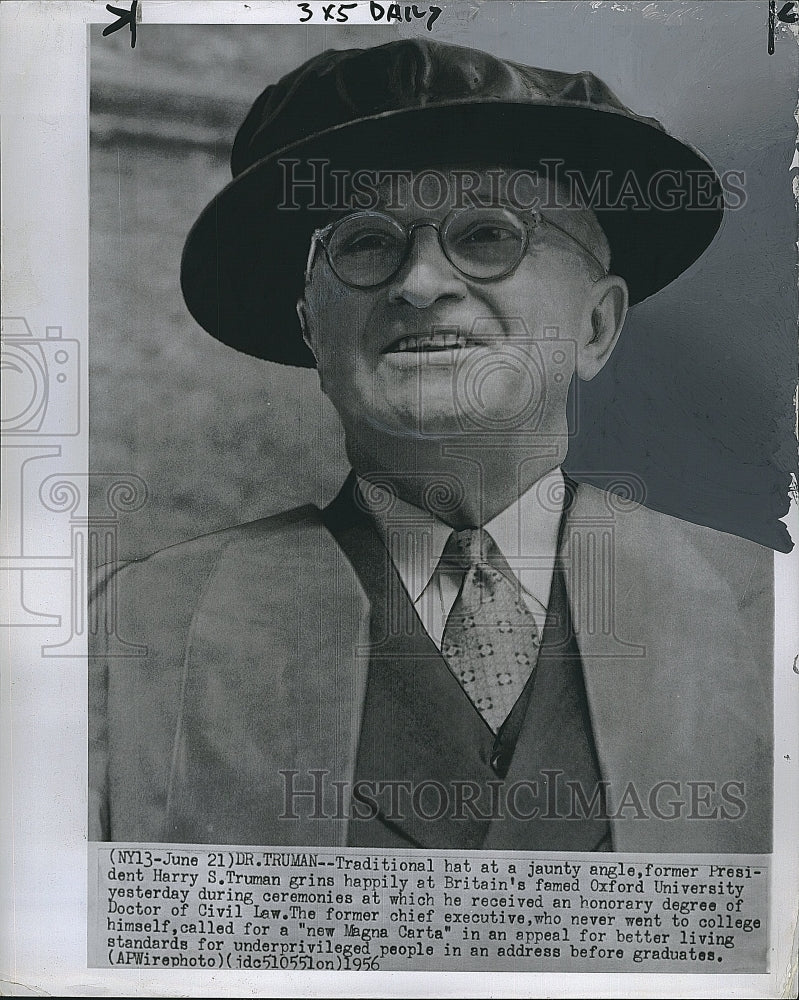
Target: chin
{"type": "Point", "coordinates": [430, 422]}
{"type": "Point", "coordinates": [381, 431]}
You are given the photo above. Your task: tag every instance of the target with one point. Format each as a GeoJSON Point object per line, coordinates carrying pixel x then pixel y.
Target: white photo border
{"type": "Point", "coordinates": [45, 141]}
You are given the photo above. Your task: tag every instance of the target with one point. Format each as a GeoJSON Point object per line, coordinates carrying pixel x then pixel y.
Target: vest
{"type": "Point", "coordinates": [429, 771]}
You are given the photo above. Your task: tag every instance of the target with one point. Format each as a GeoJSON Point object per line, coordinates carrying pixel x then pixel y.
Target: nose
{"type": "Point", "coordinates": [426, 276]}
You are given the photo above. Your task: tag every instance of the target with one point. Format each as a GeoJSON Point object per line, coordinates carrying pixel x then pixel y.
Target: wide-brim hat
{"type": "Point", "coordinates": [417, 103]}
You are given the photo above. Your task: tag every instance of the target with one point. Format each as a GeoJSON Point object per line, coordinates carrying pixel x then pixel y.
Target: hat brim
{"type": "Point", "coordinates": [244, 260]}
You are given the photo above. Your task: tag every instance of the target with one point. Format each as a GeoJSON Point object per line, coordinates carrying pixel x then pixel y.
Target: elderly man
{"type": "Point", "coordinates": [465, 649]}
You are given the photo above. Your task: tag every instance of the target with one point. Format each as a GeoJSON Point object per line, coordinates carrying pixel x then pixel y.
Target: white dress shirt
{"type": "Point", "coordinates": [526, 533]}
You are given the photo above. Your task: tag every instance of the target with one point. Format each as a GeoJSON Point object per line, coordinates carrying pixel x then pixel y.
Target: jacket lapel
{"type": "Point", "coordinates": [274, 680]}
{"type": "Point", "coordinates": [673, 622]}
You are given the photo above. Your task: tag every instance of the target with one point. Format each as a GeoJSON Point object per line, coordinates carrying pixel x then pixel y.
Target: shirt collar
{"type": "Point", "coordinates": [526, 533]}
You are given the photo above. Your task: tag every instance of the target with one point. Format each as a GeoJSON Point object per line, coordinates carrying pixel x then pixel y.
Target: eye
{"type": "Point", "coordinates": [484, 234]}
{"type": "Point", "coordinates": [367, 242]}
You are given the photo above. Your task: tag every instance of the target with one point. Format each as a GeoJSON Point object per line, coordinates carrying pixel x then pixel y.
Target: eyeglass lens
{"type": "Point", "coordinates": [368, 248]}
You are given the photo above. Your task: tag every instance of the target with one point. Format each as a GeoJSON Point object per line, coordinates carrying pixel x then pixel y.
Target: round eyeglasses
{"type": "Point", "coordinates": [367, 249]}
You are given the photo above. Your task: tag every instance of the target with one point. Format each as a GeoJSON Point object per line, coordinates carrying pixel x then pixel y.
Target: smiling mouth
{"type": "Point", "coordinates": [437, 341]}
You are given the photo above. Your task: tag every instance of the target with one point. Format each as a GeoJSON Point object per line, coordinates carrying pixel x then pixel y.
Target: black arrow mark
{"type": "Point", "coordinates": [123, 17]}
{"type": "Point", "coordinates": [787, 14]}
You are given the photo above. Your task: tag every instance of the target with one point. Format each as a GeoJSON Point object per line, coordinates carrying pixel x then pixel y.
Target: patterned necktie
{"type": "Point", "coordinates": [491, 639]}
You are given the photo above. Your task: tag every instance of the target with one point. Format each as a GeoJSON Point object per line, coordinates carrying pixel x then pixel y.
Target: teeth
{"type": "Point", "coordinates": [440, 341]}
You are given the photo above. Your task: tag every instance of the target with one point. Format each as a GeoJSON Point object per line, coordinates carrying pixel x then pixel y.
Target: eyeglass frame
{"type": "Point", "coordinates": [536, 219]}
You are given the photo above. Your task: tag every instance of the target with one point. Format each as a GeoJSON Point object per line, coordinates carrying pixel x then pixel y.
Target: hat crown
{"type": "Point", "coordinates": [342, 86]}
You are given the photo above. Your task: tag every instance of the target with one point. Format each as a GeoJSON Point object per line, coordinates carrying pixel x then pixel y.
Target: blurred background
{"type": "Point", "coordinates": [698, 399]}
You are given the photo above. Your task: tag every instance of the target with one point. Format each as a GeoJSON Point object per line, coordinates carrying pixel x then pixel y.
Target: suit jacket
{"type": "Point", "coordinates": [256, 648]}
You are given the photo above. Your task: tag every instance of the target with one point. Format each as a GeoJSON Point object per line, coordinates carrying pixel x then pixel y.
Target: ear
{"type": "Point", "coordinates": [305, 326]}
{"type": "Point", "coordinates": [604, 319]}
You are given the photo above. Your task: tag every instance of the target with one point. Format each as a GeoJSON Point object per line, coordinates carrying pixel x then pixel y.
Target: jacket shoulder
{"type": "Point", "coordinates": [187, 562]}
{"type": "Point", "coordinates": [157, 596]}
{"type": "Point", "coordinates": [214, 542]}
{"type": "Point", "coordinates": [666, 546]}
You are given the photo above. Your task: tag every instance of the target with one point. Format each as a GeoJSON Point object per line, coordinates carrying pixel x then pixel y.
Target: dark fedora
{"type": "Point", "coordinates": [418, 103]}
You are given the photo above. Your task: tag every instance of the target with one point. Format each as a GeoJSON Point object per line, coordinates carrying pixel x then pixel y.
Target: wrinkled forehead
{"type": "Point", "coordinates": [450, 187]}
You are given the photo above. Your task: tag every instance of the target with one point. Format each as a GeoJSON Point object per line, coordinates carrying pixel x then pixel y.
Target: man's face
{"type": "Point", "coordinates": [434, 352]}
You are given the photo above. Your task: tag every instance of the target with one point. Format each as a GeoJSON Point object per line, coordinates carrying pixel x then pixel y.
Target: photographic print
{"type": "Point", "coordinates": [431, 574]}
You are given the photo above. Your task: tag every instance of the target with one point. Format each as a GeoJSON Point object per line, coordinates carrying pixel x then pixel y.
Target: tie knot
{"type": "Point", "coordinates": [470, 547]}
